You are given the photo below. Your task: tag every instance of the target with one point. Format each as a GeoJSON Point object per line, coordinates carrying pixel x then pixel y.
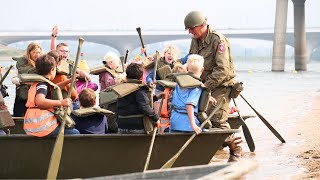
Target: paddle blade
{"type": "Point", "coordinates": [270, 127]}
{"type": "Point", "coordinates": [265, 121]}
{"type": "Point", "coordinates": [170, 163]}
{"type": "Point", "coordinates": [247, 136]}
{"type": "Point", "coordinates": [246, 131]}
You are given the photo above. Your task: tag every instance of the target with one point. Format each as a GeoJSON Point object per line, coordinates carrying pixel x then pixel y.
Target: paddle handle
{"type": "Point", "coordinates": [124, 60]}
{"type": "Point", "coordinates": [6, 74]}
{"type": "Point", "coordinates": [140, 36]}
{"type": "Point", "coordinates": [126, 56]}
{"type": "Point", "coordinates": [265, 122]}
{"type": "Point", "coordinates": [81, 40]}
{"type": "Point", "coordinates": [155, 67]}
{"type": "Point", "coordinates": [154, 77]}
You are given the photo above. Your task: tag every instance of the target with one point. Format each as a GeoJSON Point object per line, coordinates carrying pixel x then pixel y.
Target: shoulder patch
{"type": "Point", "coordinates": [221, 48]}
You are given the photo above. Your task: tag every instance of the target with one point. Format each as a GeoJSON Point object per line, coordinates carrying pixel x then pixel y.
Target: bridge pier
{"type": "Point", "coordinates": [300, 47]}
{"type": "Point", "coordinates": [279, 42]}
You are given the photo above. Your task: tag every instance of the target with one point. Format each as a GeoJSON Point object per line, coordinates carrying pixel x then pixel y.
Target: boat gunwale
{"type": "Point", "coordinates": [210, 131]}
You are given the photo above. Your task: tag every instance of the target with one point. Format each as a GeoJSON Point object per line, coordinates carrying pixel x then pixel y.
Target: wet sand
{"type": "Point", "coordinates": [298, 158]}
{"type": "Point", "coordinates": [309, 131]}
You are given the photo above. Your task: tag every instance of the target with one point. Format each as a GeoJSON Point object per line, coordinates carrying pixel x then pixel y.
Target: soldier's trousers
{"type": "Point", "coordinates": [219, 119]}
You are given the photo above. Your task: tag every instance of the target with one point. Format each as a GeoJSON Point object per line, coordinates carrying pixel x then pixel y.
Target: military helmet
{"type": "Point", "coordinates": [193, 19]}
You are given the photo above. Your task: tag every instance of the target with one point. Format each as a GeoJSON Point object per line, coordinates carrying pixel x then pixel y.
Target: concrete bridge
{"type": "Point", "coordinates": [123, 40]}
{"type": "Point", "coordinates": [303, 42]}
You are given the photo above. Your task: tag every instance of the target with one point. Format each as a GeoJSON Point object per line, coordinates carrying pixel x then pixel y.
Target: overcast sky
{"type": "Point", "coordinates": [26, 15]}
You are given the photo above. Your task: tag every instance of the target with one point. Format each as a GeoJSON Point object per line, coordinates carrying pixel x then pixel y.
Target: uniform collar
{"type": "Point", "coordinates": [207, 39]}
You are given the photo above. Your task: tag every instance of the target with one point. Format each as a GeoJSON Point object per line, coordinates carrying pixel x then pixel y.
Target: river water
{"type": "Point", "coordinates": [283, 98]}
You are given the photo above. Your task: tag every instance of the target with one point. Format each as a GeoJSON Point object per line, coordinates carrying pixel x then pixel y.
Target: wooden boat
{"type": "Point", "coordinates": [216, 171]}
{"type": "Point", "coordinates": [233, 120]}
{"type": "Point", "coordinates": [87, 156]}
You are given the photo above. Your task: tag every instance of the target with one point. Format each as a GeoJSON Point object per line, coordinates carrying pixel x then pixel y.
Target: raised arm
{"type": "Point", "coordinates": [54, 37]}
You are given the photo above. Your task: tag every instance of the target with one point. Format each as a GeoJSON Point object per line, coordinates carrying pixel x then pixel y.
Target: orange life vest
{"type": "Point", "coordinates": [165, 111]}
{"type": "Point", "coordinates": [38, 122]}
{"type": "Point", "coordinates": [60, 78]}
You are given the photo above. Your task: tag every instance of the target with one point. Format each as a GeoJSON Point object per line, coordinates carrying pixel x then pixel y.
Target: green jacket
{"type": "Point", "coordinates": [23, 68]}
{"type": "Point", "coordinates": [218, 62]}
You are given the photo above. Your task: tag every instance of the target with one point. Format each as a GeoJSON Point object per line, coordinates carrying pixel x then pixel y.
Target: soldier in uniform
{"type": "Point", "coordinates": [219, 73]}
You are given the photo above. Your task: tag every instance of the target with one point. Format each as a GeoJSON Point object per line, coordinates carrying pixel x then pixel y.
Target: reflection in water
{"type": "Point", "coordinates": [283, 98]}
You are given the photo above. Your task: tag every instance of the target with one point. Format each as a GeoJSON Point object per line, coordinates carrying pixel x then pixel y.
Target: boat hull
{"type": "Point", "coordinates": [233, 120]}
{"type": "Point", "coordinates": [86, 156]}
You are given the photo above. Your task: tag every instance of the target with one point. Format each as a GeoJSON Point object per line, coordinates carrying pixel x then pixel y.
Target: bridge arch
{"type": "Point", "coordinates": [123, 40]}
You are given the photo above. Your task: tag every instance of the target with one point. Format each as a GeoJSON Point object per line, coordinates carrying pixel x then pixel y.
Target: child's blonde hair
{"type": "Point", "coordinates": [195, 63]}
{"type": "Point", "coordinates": [174, 49]}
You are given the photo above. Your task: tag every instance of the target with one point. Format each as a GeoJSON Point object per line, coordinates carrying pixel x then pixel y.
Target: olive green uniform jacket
{"type": "Point", "coordinates": [219, 74]}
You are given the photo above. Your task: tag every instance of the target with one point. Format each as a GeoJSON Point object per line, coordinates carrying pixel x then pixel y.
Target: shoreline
{"type": "Point", "coordinates": [308, 131]}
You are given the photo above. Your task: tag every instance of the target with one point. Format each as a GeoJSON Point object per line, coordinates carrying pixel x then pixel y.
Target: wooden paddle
{"type": "Point", "coordinates": [265, 122]}
{"type": "Point", "coordinates": [155, 128]}
{"type": "Point", "coordinates": [246, 131]}
{"type": "Point", "coordinates": [154, 76]}
{"type": "Point", "coordinates": [152, 141]}
{"type": "Point", "coordinates": [58, 146]}
{"type": "Point", "coordinates": [171, 161]}
{"type": "Point", "coordinates": [124, 61]}
{"type": "Point", "coordinates": [5, 74]}
{"type": "Point", "coordinates": [142, 44]}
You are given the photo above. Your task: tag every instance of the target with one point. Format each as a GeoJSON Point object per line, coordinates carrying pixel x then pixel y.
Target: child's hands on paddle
{"type": "Point", "coordinates": [66, 102]}
{"type": "Point", "coordinates": [196, 129]}
{"type": "Point", "coordinates": [212, 100]}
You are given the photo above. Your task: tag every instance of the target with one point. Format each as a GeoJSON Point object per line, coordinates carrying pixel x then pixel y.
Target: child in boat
{"type": "Point", "coordinates": [93, 124]}
{"type": "Point", "coordinates": [134, 106]}
{"type": "Point", "coordinates": [185, 101]}
{"type": "Point", "coordinates": [169, 58]}
{"type": "Point", "coordinates": [41, 104]}
{"type": "Point", "coordinates": [166, 108]}
{"type": "Point", "coordinates": [167, 61]}
{"type": "Point", "coordinates": [145, 61]}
